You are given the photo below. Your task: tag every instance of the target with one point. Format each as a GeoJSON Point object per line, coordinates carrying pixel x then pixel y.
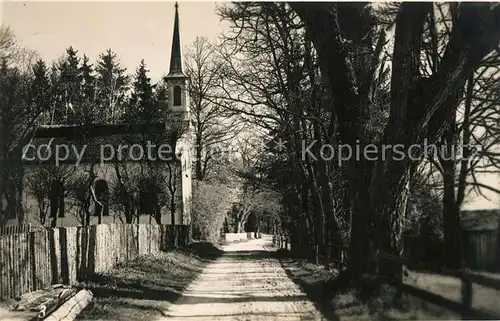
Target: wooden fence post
{"type": "Point", "coordinates": [63, 241]}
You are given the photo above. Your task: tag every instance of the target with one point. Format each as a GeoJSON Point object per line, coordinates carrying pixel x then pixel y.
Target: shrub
{"type": "Point", "coordinates": [210, 205]}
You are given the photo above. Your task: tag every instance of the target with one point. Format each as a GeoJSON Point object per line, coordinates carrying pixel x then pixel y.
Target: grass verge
{"type": "Point", "coordinates": [144, 288]}
{"type": "Point", "coordinates": [383, 303]}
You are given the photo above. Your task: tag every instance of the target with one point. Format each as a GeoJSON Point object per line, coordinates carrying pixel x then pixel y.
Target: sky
{"type": "Point", "coordinates": [134, 30]}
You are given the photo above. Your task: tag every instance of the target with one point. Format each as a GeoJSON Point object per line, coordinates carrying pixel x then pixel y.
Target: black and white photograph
{"type": "Point", "coordinates": [216, 160]}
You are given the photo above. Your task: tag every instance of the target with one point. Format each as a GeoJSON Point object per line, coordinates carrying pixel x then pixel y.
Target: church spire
{"type": "Point", "coordinates": [176, 53]}
{"type": "Point", "coordinates": [176, 80]}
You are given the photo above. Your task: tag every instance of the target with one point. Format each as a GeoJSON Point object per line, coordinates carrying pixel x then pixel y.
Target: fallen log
{"type": "Point", "coordinates": [70, 309]}
{"type": "Point", "coordinates": [52, 304]}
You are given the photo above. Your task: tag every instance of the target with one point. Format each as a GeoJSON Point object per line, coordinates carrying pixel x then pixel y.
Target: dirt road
{"type": "Point", "coordinates": [244, 284]}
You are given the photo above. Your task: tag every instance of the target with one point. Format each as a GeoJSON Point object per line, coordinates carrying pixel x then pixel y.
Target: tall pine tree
{"type": "Point", "coordinates": [161, 99]}
{"type": "Point", "coordinates": [57, 112]}
{"type": "Point", "coordinates": [69, 84]}
{"type": "Point", "coordinates": [111, 86]}
{"type": "Point", "coordinates": [41, 91]}
{"type": "Point", "coordinates": [88, 79]}
{"type": "Point", "coordinates": [87, 111]}
{"type": "Point", "coordinates": [142, 101]}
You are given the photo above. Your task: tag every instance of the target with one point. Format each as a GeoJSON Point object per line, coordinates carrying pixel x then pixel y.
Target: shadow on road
{"type": "Point", "coordinates": [312, 286]}
{"type": "Point", "coordinates": [245, 282]}
{"type": "Point", "coordinates": [238, 283]}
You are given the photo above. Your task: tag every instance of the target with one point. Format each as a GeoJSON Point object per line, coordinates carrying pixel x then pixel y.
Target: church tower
{"type": "Point", "coordinates": [178, 101]}
{"type": "Point", "coordinates": [177, 81]}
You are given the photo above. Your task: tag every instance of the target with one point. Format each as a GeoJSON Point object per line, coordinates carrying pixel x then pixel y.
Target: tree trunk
{"type": "Point", "coordinates": [359, 246]}
{"type": "Point", "coordinates": [128, 214]}
{"type": "Point", "coordinates": [451, 211]}
{"type": "Point", "coordinates": [61, 202]}
{"type": "Point", "coordinates": [41, 214]}
{"type": "Point", "coordinates": [389, 195]}
{"type": "Point", "coordinates": [173, 207]}
{"type": "Point", "coordinates": [54, 203]}
{"type": "Point", "coordinates": [158, 214]}
{"type": "Point", "coordinates": [98, 213]}
{"type": "Point", "coordinates": [198, 163]}
{"type": "Point", "coordinates": [330, 220]}
{"type": "Point", "coordinates": [306, 218]}
{"type": "Point", "coordinates": [18, 192]}
{"type": "Point", "coordinates": [451, 220]}
{"type": "Point", "coordinates": [240, 225]}
{"type": "Point", "coordinates": [87, 216]}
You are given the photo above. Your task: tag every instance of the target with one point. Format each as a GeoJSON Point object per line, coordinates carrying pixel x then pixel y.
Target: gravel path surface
{"type": "Point", "coordinates": [244, 284]}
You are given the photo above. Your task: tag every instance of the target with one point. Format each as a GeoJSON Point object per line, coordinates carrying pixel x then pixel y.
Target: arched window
{"type": "Point", "coordinates": [56, 199]}
{"type": "Point", "coordinates": [101, 197]}
{"type": "Point", "coordinates": [148, 198]}
{"type": "Point", "coordinates": [177, 96]}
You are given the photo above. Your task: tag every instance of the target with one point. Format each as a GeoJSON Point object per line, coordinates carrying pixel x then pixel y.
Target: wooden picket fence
{"type": "Point", "coordinates": [464, 306]}
{"type": "Point", "coordinates": [16, 229]}
{"type": "Point", "coordinates": [34, 260]}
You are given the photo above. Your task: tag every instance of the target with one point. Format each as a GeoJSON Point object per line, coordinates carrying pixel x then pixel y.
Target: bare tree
{"type": "Point", "coordinates": [213, 124]}
{"type": "Point", "coordinates": [420, 108]}
{"type": "Point", "coordinates": [80, 197]}
{"type": "Point", "coordinates": [38, 186]}
{"type": "Point", "coordinates": [271, 77]}
{"type": "Point", "coordinates": [8, 43]}
{"type": "Point", "coordinates": [19, 114]}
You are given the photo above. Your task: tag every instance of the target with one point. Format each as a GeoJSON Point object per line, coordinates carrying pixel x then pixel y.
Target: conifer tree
{"type": "Point", "coordinates": [161, 99]}
{"type": "Point", "coordinates": [112, 86]}
{"type": "Point", "coordinates": [88, 79]}
{"type": "Point", "coordinates": [142, 100]}
{"type": "Point", "coordinates": [41, 91]}
{"type": "Point", "coordinates": [70, 80]}
{"type": "Point", "coordinates": [56, 113]}
{"type": "Point", "coordinates": [87, 111]}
